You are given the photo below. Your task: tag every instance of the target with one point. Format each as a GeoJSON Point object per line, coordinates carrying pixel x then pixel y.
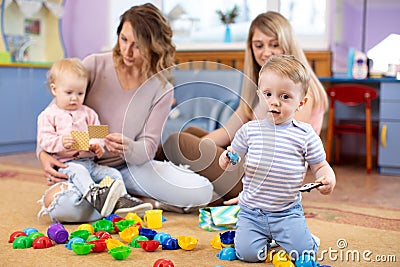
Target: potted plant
{"type": "Point", "coordinates": [228, 18]}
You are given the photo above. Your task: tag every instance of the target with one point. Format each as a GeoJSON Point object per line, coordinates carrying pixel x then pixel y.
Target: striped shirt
{"type": "Point", "coordinates": [276, 157]}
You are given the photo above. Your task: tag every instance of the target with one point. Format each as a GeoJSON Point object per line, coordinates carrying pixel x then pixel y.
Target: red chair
{"type": "Point", "coordinates": [351, 95]}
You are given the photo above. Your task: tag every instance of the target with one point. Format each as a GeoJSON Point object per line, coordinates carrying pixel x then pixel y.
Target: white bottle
{"type": "Point", "coordinates": [360, 65]}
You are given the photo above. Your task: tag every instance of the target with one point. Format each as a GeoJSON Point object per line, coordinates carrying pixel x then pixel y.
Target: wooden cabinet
{"type": "Point", "coordinates": [24, 94]}
{"type": "Point", "coordinates": [320, 61]}
{"type": "Point", "coordinates": [389, 129]}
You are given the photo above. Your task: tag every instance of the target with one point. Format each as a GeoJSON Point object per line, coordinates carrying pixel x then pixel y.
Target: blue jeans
{"type": "Point", "coordinates": [85, 172]}
{"type": "Point", "coordinates": [256, 228]}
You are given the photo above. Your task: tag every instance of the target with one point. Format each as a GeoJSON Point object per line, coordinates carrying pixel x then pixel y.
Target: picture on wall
{"type": "Point", "coordinates": [32, 26]}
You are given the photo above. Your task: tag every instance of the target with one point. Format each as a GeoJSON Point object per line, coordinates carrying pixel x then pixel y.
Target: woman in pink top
{"type": "Point", "coordinates": [129, 90]}
{"type": "Point", "coordinates": [270, 34]}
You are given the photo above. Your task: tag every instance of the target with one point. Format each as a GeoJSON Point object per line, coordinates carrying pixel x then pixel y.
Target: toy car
{"type": "Point", "coordinates": [310, 186]}
{"type": "Point", "coordinates": [233, 157]}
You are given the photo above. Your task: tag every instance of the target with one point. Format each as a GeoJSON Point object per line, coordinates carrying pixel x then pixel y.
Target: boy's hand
{"type": "Point", "coordinates": [68, 141]}
{"type": "Point", "coordinates": [327, 185]}
{"type": "Point", "coordinates": [97, 149]}
{"type": "Point", "coordinates": [224, 160]}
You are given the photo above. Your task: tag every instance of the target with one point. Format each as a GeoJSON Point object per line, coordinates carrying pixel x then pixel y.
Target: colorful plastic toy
{"type": "Point", "coordinates": [99, 245]}
{"type": "Point", "coordinates": [29, 230]}
{"type": "Point", "coordinates": [80, 233]}
{"type": "Point", "coordinates": [227, 254]}
{"type": "Point", "coordinates": [135, 217]}
{"type": "Point", "coordinates": [149, 245]}
{"type": "Point", "coordinates": [112, 216]}
{"type": "Point", "coordinates": [135, 241]}
{"type": "Point", "coordinates": [120, 253]}
{"type": "Point", "coordinates": [123, 224]}
{"type": "Point", "coordinates": [87, 227]}
{"type": "Point", "coordinates": [35, 235]}
{"type": "Point", "coordinates": [103, 225]}
{"type": "Point", "coordinates": [227, 238]}
{"type": "Point", "coordinates": [306, 261]}
{"type": "Point", "coordinates": [216, 242]}
{"type": "Point", "coordinates": [281, 256]}
{"type": "Point", "coordinates": [15, 235]}
{"type": "Point", "coordinates": [161, 237]}
{"type": "Point", "coordinates": [147, 232]}
{"type": "Point", "coordinates": [22, 242]}
{"type": "Point", "coordinates": [129, 233]}
{"type": "Point", "coordinates": [233, 157]}
{"type": "Point", "coordinates": [170, 244]}
{"type": "Point", "coordinates": [82, 248]}
{"type": "Point", "coordinates": [113, 243]}
{"type": "Point", "coordinates": [103, 235]}
{"type": "Point", "coordinates": [187, 242]}
{"type": "Point", "coordinates": [74, 240]}
{"type": "Point", "coordinates": [163, 263]}
{"type": "Point", "coordinates": [92, 238]}
{"type": "Point", "coordinates": [42, 242]}
{"type": "Point", "coordinates": [114, 221]}
{"type": "Point", "coordinates": [57, 233]}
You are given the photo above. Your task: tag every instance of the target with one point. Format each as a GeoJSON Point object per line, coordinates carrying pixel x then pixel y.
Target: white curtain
{"type": "Point", "coordinates": [29, 7]}
{"type": "Point", "coordinates": [55, 8]}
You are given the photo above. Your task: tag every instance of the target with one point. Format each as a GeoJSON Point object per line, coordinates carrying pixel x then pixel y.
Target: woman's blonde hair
{"type": "Point", "coordinates": [66, 65]}
{"type": "Point", "coordinates": [154, 37]}
{"type": "Point", "coordinates": [275, 25]}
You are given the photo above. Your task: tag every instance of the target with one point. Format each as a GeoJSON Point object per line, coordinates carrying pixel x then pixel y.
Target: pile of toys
{"type": "Point", "coordinates": [97, 237]}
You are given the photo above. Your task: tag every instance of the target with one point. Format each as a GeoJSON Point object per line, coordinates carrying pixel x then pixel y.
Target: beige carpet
{"type": "Point", "coordinates": [363, 229]}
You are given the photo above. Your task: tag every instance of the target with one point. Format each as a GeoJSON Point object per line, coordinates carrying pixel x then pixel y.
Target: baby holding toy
{"type": "Point", "coordinates": [67, 80]}
{"type": "Point", "coordinates": [277, 151]}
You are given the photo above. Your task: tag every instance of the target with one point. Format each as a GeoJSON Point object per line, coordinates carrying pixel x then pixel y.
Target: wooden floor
{"type": "Point", "coordinates": [353, 184]}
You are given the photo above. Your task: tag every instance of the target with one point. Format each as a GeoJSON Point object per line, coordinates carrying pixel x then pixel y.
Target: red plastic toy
{"type": "Point", "coordinates": [16, 234]}
{"type": "Point", "coordinates": [149, 245]}
{"type": "Point", "coordinates": [163, 263]}
{"type": "Point", "coordinates": [42, 242]}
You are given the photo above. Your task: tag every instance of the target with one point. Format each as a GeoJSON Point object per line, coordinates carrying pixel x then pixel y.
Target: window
{"type": "Point", "coordinates": [197, 25]}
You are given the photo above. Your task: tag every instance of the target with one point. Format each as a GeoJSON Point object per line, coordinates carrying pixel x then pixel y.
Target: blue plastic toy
{"type": "Point", "coordinates": [74, 240]}
{"type": "Point", "coordinates": [227, 254]}
{"type": "Point", "coordinates": [306, 261]}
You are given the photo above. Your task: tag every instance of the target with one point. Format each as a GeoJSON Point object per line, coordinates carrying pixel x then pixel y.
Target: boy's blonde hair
{"type": "Point", "coordinates": [288, 66]}
{"type": "Point", "coordinates": [66, 65]}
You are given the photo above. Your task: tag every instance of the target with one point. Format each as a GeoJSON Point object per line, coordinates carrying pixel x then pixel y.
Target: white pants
{"type": "Point", "coordinates": [169, 183]}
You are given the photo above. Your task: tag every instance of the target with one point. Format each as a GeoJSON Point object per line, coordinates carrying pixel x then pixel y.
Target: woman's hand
{"type": "Point", "coordinates": [232, 201]}
{"type": "Point", "coordinates": [117, 143]}
{"type": "Point", "coordinates": [48, 163]}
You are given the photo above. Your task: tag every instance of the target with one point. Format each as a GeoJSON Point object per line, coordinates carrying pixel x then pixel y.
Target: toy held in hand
{"type": "Point", "coordinates": [310, 186]}
{"type": "Point", "coordinates": [233, 157]}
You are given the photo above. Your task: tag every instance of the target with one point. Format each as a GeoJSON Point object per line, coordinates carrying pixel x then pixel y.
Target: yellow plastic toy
{"type": "Point", "coordinates": [113, 243]}
{"type": "Point", "coordinates": [282, 259]}
{"type": "Point", "coordinates": [216, 242]}
{"type": "Point", "coordinates": [187, 242]}
{"type": "Point", "coordinates": [87, 227]}
{"type": "Point", "coordinates": [129, 233]}
{"type": "Point", "coordinates": [135, 217]}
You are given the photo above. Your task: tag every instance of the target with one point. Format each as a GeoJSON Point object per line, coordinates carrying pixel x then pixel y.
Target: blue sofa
{"type": "Point", "coordinates": [204, 98]}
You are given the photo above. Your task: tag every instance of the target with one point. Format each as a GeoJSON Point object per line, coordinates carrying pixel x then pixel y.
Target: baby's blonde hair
{"type": "Point", "coordinates": [288, 66]}
{"type": "Point", "coordinates": [66, 65]}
